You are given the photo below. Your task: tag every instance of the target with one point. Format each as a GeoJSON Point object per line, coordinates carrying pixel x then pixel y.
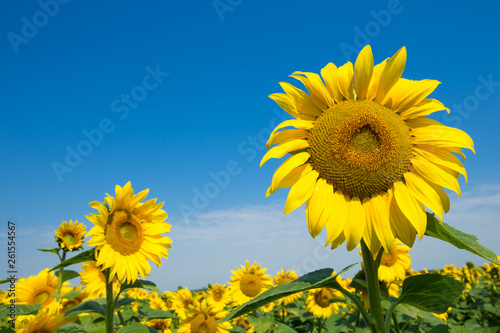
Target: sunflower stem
{"type": "Point", "coordinates": [109, 302]}
{"type": "Point", "coordinates": [371, 272]}
{"type": "Point", "coordinates": [60, 273]}
{"type": "Point", "coordinates": [366, 316]}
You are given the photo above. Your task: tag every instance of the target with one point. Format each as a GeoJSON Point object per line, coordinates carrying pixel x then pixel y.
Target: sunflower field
{"type": "Point", "coordinates": [368, 165]}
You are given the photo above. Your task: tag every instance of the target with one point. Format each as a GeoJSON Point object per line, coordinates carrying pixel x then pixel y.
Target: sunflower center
{"type": "Point", "coordinates": [203, 324]}
{"type": "Point", "coordinates": [217, 296]}
{"type": "Point", "coordinates": [41, 297]}
{"type": "Point", "coordinates": [70, 239]}
{"type": "Point", "coordinates": [250, 285]}
{"type": "Point", "coordinates": [322, 298]}
{"type": "Point", "coordinates": [124, 232]}
{"type": "Point", "coordinates": [389, 259]}
{"type": "Point", "coordinates": [360, 147]}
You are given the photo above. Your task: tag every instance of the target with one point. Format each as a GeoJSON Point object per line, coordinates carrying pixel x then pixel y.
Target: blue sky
{"type": "Point", "coordinates": [173, 96]}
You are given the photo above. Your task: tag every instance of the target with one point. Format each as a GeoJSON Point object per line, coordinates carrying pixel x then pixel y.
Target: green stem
{"type": "Point", "coordinates": [60, 273]}
{"type": "Point", "coordinates": [122, 320]}
{"type": "Point", "coordinates": [366, 316]}
{"type": "Point", "coordinates": [109, 302]}
{"type": "Point", "coordinates": [319, 324]}
{"type": "Point", "coordinates": [371, 272]}
{"type": "Point", "coordinates": [396, 324]}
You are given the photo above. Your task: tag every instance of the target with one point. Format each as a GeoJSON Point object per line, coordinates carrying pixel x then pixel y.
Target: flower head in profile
{"type": "Point", "coordinates": [364, 157]}
{"type": "Point", "coordinates": [127, 233]}
{"type": "Point", "coordinates": [248, 282]}
{"type": "Point", "coordinates": [394, 264]}
{"type": "Point", "coordinates": [70, 235]}
{"type": "Point", "coordinates": [94, 281]}
{"type": "Point", "coordinates": [43, 321]}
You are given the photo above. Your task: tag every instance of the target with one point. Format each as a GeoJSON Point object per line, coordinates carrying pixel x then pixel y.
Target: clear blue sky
{"type": "Point", "coordinates": [172, 94]}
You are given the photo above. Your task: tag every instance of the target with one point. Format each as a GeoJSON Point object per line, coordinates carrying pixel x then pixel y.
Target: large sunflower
{"type": "Point", "coordinates": [248, 282]}
{"type": "Point", "coordinates": [127, 233]}
{"type": "Point", "coordinates": [70, 235]}
{"type": "Point", "coordinates": [364, 156]}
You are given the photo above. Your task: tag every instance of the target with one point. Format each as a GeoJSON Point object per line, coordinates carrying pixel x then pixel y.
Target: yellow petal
{"type": "Point", "coordinates": [338, 241]}
{"type": "Point", "coordinates": [284, 169]}
{"type": "Point", "coordinates": [413, 209]}
{"type": "Point", "coordinates": [292, 177]}
{"type": "Point", "coordinates": [422, 109]}
{"type": "Point", "coordinates": [331, 76]}
{"type": "Point", "coordinates": [373, 86]}
{"type": "Point", "coordinates": [319, 94]}
{"type": "Point", "coordinates": [378, 217]}
{"type": "Point", "coordinates": [338, 216]}
{"type": "Point", "coordinates": [301, 191]}
{"type": "Point", "coordinates": [286, 135]}
{"type": "Point", "coordinates": [301, 99]}
{"type": "Point", "coordinates": [391, 74]}
{"type": "Point", "coordinates": [315, 207]}
{"type": "Point", "coordinates": [444, 158]}
{"type": "Point", "coordinates": [282, 149]}
{"type": "Point", "coordinates": [424, 193]}
{"type": "Point", "coordinates": [445, 200]}
{"type": "Point", "coordinates": [346, 73]}
{"type": "Point", "coordinates": [400, 225]}
{"type": "Point", "coordinates": [355, 223]}
{"type": "Point", "coordinates": [436, 174]}
{"type": "Point", "coordinates": [288, 104]}
{"type": "Point", "coordinates": [363, 70]}
{"type": "Point", "coordinates": [442, 136]}
{"type": "Point", "coordinates": [406, 93]}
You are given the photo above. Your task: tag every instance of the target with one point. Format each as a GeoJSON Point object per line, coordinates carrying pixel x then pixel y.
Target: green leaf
{"type": "Point", "coordinates": [7, 280]}
{"type": "Point", "coordinates": [430, 292]}
{"type": "Point", "coordinates": [124, 301]}
{"type": "Point", "coordinates": [282, 328]}
{"type": "Point", "coordinates": [144, 284]}
{"type": "Point", "coordinates": [134, 328]}
{"type": "Point", "coordinates": [158, 314]}
{"type": "Point", "coordinates": [71, 328]}
{"type": "Point", "coordinates": [88, 307]}
{"type": "Point", "coordinates": [317, 279]}
{"type": "Point", "coordinates": [69, 275]}
{"type": "Point", "coordinates": [261, 324]}
{"type": "Point", "coordinates": [81, 257]}
{"type": "Point", "coordinates": [458, 238]}
{"type": "Point", "coordinates": [21, 310]}
{"type": "Point", "coordinates": [56, 251]}
{"type": "Point", "coordinates": [440, 329]}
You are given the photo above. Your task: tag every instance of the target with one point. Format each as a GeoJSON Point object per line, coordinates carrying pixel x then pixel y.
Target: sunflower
{"type": "Point", "coordinates": [284, 277]}
{"type": "Point", "coordinates": [66, 304]}
{"type": "Point", "coordinates": [127, 233]}
{"type": "Point", "coordinates": [43, 321]}
{"type": "Point", "coordinates": [218, 296]}
{"type": "Point", "coordinates": [248, 282]}
{"type": "Point", "coordinates": [243, 322]}
{"type": "Point", "coordinates": [38, 289]}
{"type": "Point", "coordinates": [319, 302]}
{"type": "Point", "coordinates": [364, 156]}
{"type": "Point", "coordinates": [94, 280]}
{"type": "Point", "coordinates": [161, 325]}
{"type": "Point", "coordinates": [70, 235]}
{"type": "Point", "coordinates": [394, 264]}
{"type": "Point", "coordinates": [182, 299]}
{"type": "Point", "coordinates": [201, 318]}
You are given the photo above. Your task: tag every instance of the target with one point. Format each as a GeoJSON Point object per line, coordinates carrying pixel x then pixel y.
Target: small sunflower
{"type": "Point", "coordinates": [182, 299]}
{"type": "Point", "coordinates": [218, 296]}
{"type": "Point", "coordinates": [161, 325]}
{"type": "Point", "coordinates": [364, 156]}
{"type": "Point", "coordinates": [66, 304]}
{"type": "Point", "coordinates": [319, 302]}
{"type": "Point", "coordinates": [201, 318]}
{"type": "Point", "coordinates": [94, 280]}
{"type": "Point", "coordinates": [284, 277]}
{"type": "Point", "coordinates": [248, 282]}
{"type": "Point", "coordinates": [37, 289]}
{"type": "Point", "coordinates": [43, 321]}
{"type": "Point", "coordinates": [127, 233]}
{"type": "Point", "coordinates": [243, 322]}
{"type": "Point", "coordinates": [70, 235]}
